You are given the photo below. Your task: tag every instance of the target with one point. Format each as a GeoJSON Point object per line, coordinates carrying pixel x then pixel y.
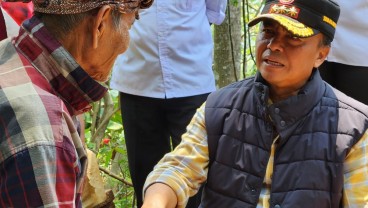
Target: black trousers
{"type": "Point", "coordinates": [350, 80]}
{"type": "Point", "coordinates": [152, 127]}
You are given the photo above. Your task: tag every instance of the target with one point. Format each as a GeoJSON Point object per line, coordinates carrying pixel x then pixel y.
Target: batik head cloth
{"type": "Point", "coordinates": [80, 6]}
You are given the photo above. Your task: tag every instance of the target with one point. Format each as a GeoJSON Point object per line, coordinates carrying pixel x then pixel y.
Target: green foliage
{"type": "Point", "coordinates": [252, 8]}
{"type": "Point", "coordinates": [250, 52]}
{"type": "Point", "coordinates": [108, 150]}
{"type": "Point", "coordinates": [234, 2]}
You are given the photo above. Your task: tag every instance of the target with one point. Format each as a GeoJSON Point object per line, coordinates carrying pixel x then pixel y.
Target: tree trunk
{"type": "Point", "coordinates": [227, 47]}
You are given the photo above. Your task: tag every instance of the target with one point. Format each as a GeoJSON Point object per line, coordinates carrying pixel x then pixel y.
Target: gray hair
{"type": "Point", "coordinates": [61, 25]}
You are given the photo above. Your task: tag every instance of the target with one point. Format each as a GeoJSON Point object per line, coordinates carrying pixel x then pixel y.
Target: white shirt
{"type": "Point", "coordinates": [351, 38]}
{"type": "Point", "coordinates": [170, 52]}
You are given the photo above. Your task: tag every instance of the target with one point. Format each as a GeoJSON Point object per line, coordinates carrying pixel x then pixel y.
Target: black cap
{"type": "Point", "coordinates": [303, 18]}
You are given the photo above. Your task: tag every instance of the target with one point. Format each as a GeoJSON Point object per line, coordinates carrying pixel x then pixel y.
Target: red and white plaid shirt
{"type": "Point", "coordinates": [42, 89]}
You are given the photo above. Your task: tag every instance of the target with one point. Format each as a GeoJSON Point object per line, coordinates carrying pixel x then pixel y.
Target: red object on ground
{"type": "Point", "coordinates": [19, 11]}
{"type": "Point", "coordinates": [106, 140]}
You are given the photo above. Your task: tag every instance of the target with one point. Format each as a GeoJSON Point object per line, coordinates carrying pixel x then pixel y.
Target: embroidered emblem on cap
{"type": "Point", "coordinates": [329, 21]}
{"type": "Point", "coordinates": [286, 1]}
{"type": "Point", "coordinates": [290, 11]}
{"type": "Point", "coordinates": [294, 27]}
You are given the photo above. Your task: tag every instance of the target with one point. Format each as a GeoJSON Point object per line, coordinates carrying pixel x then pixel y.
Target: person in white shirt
{"type": "Point", "coordinates": [346, 67]}
{"type": "Point", "coordinates": [164, 76]}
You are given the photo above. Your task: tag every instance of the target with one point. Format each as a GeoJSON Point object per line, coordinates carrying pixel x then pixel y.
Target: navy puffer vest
{"type": "Point", "coordinates": [317, 128]}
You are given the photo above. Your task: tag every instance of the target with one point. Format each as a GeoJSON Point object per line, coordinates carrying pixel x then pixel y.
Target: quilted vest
{"type": "Point", "coordinates": [316, 129]}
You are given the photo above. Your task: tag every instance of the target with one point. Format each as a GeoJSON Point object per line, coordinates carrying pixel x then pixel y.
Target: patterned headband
{"type": "Point", "coordinates": [80, 6]}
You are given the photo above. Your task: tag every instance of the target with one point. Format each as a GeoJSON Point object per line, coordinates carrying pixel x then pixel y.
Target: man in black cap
{"type": "Point", "coordinates": [283, 138]}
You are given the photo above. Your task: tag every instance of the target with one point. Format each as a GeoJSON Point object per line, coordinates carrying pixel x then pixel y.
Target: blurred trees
{"type": "Point", "coordinates": [234, 42]}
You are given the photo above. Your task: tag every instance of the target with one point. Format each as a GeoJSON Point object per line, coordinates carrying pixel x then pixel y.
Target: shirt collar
{"type": "Point", "coordinates": [291, 111]}
{"type": "Point", "coordinates": [67, 78]}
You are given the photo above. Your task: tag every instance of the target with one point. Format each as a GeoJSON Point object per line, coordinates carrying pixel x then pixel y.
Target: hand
{"type": "Point", "coordinates": [159, 195]}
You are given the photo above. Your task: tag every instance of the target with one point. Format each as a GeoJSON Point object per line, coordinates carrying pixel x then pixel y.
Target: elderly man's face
{"type": "Point", "coordinates": [118, 41]}
{"type": "Point", "coordinates": [285, 61]}
{"type": "Point", "coordinates": [114, 41]}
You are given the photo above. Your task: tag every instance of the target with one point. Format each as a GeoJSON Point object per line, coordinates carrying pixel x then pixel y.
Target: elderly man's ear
{"type": "Point", "coordinates": [321, 56]}
{"type": "Point", "coordinates": [100, 24]}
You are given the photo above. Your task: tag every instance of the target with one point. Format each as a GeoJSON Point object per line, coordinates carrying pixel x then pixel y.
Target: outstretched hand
{"type": "Point", "coordinates": [159, 195]}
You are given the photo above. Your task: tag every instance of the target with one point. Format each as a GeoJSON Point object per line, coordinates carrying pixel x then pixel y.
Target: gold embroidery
{"type": "Point", "coordinates": [329, 21]}
{"type": "Point", "coordinates": [296, 28]}
{"type": "Point", "coordinates": [294, 11]}
{"type": "Point", "coordinates": [290, 11]}
{"type": "Point", "coordinates": [286, 1]}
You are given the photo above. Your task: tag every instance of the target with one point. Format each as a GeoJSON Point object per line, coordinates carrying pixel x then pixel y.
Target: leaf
{"type": "Point", "coordinates": [114, 126]}
{"type": "Point", "coordinates": [91, 145]}
{"type": "Point", "coordinates": [120, 150]}
{"type": "Point", "coordinates": [114, 93]}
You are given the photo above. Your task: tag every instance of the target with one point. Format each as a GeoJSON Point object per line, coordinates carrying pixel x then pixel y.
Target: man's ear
{"type": "Point", "coordinates": [100, 24]}
{"type": "Point", "coordinates": [323, 52]}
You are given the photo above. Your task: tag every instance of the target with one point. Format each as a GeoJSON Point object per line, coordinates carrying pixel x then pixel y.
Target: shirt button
{"type": "Point", "coordinates": [277, 206]}
{"type": "Point", "coordinates": [277, 110]}
{"type": "Point", "coordinates": [282, 123]}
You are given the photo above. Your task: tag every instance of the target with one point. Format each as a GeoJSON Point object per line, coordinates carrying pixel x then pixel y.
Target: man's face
{"type": "Point", "coordinates": [286, 61]}
{"type": "Point", "coordinates": [120, 38]}
{"type": "Point", "coordinates": [114, 41]}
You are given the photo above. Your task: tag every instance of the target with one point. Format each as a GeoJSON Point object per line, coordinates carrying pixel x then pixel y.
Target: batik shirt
{"type": "Point", "coordinates": [42, 89]}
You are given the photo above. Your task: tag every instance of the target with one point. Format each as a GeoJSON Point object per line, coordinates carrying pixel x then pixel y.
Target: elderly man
{"type": "Point", "coordinates": [283, 138]}
{"type": "Point", "coordinates": [49, 74]}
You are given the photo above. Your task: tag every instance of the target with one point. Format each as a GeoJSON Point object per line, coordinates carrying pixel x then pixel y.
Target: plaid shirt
{"type": "Point", "coordinates": [42, 89]}
{"type": "Point", "coordinates": [185, 168]}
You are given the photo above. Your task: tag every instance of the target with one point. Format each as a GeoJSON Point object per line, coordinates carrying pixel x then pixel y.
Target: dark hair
{"type": "Point", "coordinates": [326, 41]}
{"type": "Point", "coordinates": [61, 25]}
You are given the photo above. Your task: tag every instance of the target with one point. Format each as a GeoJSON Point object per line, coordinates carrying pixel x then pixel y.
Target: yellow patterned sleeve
{"type": "Point", "coordinates": [185, 168]}
{"type": "Point", "coordinates": [356, 175]}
